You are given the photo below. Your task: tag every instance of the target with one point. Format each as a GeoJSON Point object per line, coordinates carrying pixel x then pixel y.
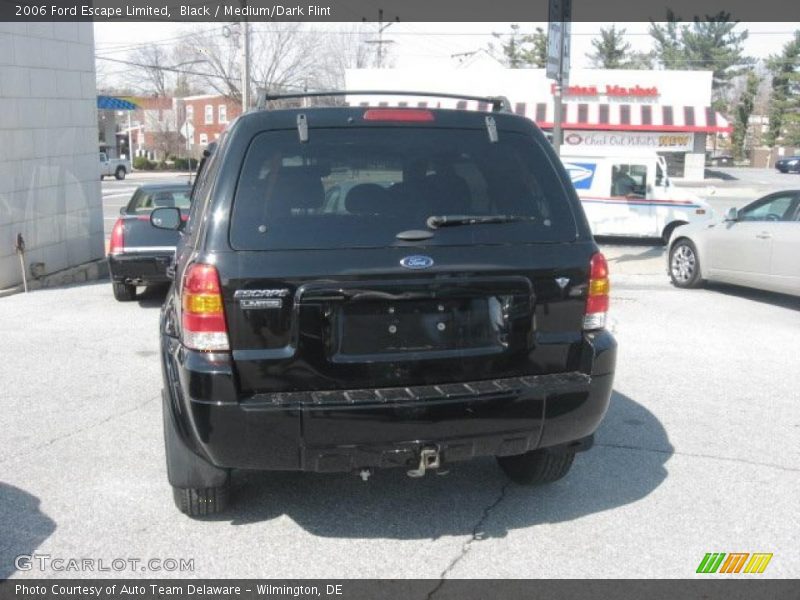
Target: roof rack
{"type": "Point", "coordinates": [498, 103]}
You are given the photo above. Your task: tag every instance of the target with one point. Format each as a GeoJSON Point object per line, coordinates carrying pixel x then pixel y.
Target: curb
{"type": "Point", "coordinates": [90, 271]}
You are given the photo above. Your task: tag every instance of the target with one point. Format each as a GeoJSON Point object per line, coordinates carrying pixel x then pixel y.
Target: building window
{"type": "Point", "coordinates": [625, 114]}
{"type": "Point", "coordinates": [209, 114]}
{"type": "Point", "coordinates": [203, 139]}
{"type": "Point", "coordinates": [189, 112]}
{"type": "Point", "coordinates": [222, 112]}
{"type": "Point", "coordinates": [519, 109]}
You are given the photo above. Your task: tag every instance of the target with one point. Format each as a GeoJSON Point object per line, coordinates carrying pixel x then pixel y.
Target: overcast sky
{"type": "Point", "coordinates": [425, 45]}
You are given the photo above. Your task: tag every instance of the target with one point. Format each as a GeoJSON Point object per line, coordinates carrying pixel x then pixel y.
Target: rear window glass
{"type": "Point", "coordinates": [359, 188]}
{"type": "Point", "coordinates": [144, 202]}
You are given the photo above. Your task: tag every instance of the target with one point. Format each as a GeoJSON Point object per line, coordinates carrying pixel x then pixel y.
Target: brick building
{"type": "Point", "coordinates": [205, 118]}
{"type": "Point", "coordinates": [155, 128]}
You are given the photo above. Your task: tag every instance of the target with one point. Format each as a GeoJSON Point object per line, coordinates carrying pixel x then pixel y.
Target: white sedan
{"type": "Point", "coordinates": [757, 246]}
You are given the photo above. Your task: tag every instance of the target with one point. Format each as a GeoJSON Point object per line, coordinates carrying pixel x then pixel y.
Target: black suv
{"type": "Point", "coordinates": [363, 287]}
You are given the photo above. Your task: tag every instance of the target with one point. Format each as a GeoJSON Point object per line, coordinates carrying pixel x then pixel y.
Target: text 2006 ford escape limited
{"type": "Point", "coordinates": [366, 287]}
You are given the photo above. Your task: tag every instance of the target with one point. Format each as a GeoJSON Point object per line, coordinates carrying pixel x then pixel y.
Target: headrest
{"type": "Point", "coordinates": [367, 198]}
{"type": "Point", "coordinates": [297, 188]}
{"type": "Point", "coordinates": [163, 200]}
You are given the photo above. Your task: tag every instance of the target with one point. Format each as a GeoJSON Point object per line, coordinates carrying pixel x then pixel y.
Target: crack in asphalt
{"type": "Point", "coordinates": [64, 436]}
{"type": "Point", "coordinates": [698, 455]}
{"type": "Point", "coordinates": [475, 537]}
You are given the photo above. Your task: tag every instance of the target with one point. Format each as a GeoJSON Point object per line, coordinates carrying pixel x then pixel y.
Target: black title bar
{"type": "Point", "coordinates": [402, 10]}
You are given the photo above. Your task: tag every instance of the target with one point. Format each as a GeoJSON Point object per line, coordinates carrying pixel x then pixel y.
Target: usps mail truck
{"type": "Point", "coordinates": [631, 195]}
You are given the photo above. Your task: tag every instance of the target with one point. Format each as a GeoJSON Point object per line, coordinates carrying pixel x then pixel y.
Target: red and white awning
{"type": "Point", "coordinates": [628, 117]}
{"type": "Point", "coordinates": [598, 116]}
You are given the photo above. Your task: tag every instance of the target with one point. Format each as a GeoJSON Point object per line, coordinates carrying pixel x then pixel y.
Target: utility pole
{"type": "Point", "coordinates": [558, 60]}
{"type": "Point", "coordinates": [245, 61]}
{"type": "Point", "coordinates": [380, 41]}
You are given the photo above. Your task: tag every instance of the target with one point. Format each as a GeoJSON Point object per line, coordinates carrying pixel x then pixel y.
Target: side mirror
{"type": "Point", "coordinates": [732, 215]}
{"type": "Point", "coordinates": [122, 210]}
{"type": "Point", "coordinates": [166, 218]}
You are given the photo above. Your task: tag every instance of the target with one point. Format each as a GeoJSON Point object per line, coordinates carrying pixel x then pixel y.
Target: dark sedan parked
{"type": "Point", "coordinates": [139, 253]}
{"type": "Point", "coordinates": [790, 164]}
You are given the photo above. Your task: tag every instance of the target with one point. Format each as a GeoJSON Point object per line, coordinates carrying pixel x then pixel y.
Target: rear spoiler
{"type": "Point", "coordinates": [498, 103]}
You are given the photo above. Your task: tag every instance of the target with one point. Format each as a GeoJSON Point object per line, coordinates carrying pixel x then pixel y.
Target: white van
{"type": "Point", "coordinates": [630, 195]}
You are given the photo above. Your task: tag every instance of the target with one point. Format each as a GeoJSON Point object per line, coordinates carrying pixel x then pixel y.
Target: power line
{"type": "Point", "coordinates": [159, 67]}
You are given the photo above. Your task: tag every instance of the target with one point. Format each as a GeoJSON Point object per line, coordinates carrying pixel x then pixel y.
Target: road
{"type": "Point", "coordinates": [697, 454]}
{"type": "Point", "coordinates": [729, 187]}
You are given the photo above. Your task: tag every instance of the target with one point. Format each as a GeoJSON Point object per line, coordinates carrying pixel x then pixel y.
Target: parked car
{"type": "Point", "coordinates": [455, 309]}
{"type": "Point", "coordinates": [118, 167]}
{"type": "Point", "coordinates": [790, 164]}
{"type": "Point", "coordinates": [139, 254]}
{"type": "Point", "coordinates": [757, 246]}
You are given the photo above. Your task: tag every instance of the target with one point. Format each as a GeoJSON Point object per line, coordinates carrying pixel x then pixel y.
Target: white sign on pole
{"type": "Point", "coordinates": [558, 42]}
{"type": "Point", "coordinates": [553, 50]}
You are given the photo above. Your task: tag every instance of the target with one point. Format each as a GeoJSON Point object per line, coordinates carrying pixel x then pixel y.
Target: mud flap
{"type": "Point", "coordinates": [185, 469]}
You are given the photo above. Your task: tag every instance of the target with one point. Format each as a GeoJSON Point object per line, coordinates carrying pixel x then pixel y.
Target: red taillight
{"type": "Point", "coordinates": [117, 238]}
{"type": "Point", "coordinates": [599, 287]}
{"type": "Point", "coordinates": [399, 114]}
{"type": "Point", "coordinates": [202, 315]}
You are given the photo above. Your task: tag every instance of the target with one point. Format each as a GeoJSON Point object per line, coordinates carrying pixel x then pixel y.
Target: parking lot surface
{"type": "Point", "coordinates": [697, 454]}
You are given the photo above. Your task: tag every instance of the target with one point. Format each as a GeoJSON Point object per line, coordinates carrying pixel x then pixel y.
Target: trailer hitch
{"type": "Point", "coordinates": [429, 459]}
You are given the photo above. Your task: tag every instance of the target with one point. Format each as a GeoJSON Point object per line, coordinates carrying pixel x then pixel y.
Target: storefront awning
{"type": "Point", "coordinates": [114, 103]}
{"type": "Point", "coordinates": [628, 117]}
{"type": "Point", "coordinates": [596, 116]}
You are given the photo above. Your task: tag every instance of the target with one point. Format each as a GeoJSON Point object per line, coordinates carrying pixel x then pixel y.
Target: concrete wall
{"type": "Point", "coordinates": [49, 181]}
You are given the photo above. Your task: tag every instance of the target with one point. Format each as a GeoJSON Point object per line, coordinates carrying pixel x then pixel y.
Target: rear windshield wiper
{"type": "Point", "coordinates": [436, 221]}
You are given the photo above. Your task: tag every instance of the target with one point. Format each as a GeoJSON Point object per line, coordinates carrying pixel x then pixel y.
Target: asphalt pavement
{"type": "Point", "coordinates": [698, 453]}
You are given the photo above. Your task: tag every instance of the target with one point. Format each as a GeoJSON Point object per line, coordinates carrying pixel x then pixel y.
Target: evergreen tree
{"type": "Point", "coordinates": [742, 114]}
{"type": "Point", "coordinates": [710, 44]}
{"type": "Point", "coordinates": [521, 51]}
{"type": "Point", "coordinates": [784, 106]}
{"type": "Point", "coordinates": [611, 51]}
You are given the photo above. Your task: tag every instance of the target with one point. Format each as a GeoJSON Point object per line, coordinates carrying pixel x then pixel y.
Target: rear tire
{"type": "Point", "coordinates": [124, 292]}
{"type": "Point", "coordinates": [684, 264]}
{"type": "Point", "coordinates": [536, 467]}
{"type": "Point", "coordinates": [120, 173]}
{"type": "Point", "coordinates": [200, 502]}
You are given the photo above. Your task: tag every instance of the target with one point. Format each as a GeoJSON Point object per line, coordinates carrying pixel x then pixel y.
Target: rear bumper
{"type": "Point", "coordinates": [140, 268]}
{"type": "Point", "coordinates": [349, 429]}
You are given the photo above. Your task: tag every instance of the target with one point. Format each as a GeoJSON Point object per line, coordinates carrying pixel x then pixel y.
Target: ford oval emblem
{"type": "Point", "coordinates": [417, 262]}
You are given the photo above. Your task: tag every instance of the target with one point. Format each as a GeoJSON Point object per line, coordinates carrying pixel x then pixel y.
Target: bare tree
{"type": "Point", "coordinates": [284, 56]}
{"type": "Point", "coordinates": [341, 50]}
{"type": "Point", "coordinates": [149, 72]}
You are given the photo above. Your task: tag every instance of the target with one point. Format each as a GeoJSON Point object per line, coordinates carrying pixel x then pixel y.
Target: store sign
{"type": "Point", "coordinates": [612, 91]}
{"type": "Point", "coordinates": [667, 142]}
